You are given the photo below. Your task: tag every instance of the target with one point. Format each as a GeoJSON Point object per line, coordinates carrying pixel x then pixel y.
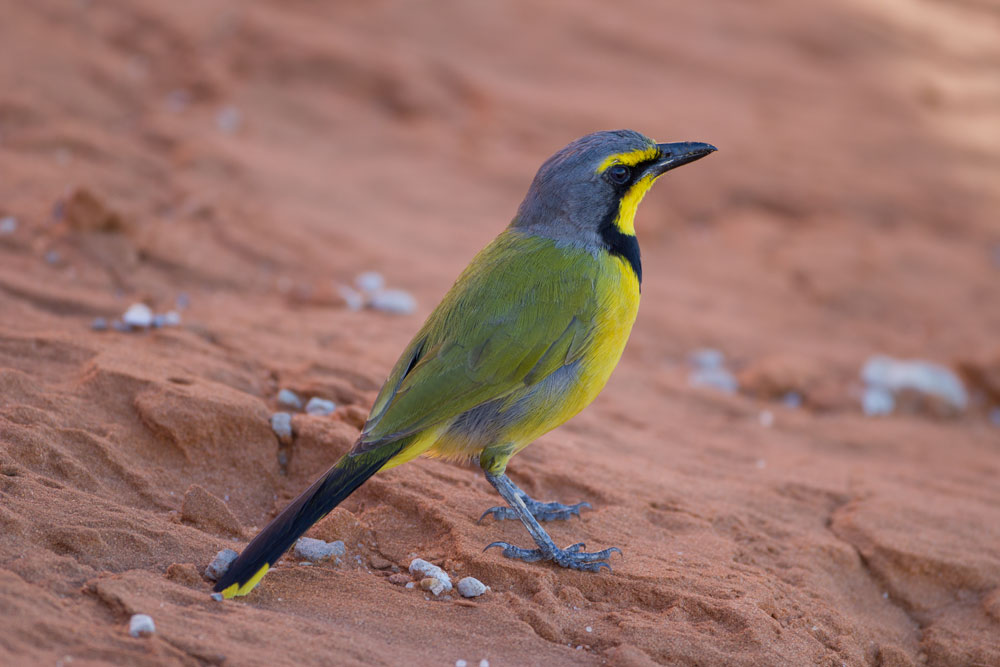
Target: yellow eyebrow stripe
{"type": "Point", "coordinates": [630, 158]}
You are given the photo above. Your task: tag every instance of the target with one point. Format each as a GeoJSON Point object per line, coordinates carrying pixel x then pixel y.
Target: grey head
{"type": "Point", "coordinates": [586, 194]}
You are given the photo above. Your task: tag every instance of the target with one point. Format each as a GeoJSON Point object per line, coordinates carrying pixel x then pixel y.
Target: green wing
{"type": "Point", "coordinates": [522, 309]}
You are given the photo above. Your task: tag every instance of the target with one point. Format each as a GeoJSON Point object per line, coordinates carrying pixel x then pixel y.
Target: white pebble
{"type": "Point", "coordinates": [138, 315]}
{"type": "Point", "coordinates": [589, 629]}
{"type": "Point", "coordinates": [461, 663]}
{"type": "Point", "coordinates": [484, 663]}
{"type": "Point", "coordinates": [141, 625]}
{"type": "Point", "coordinates": [422, 567]}
{"type": "Point", "coordinates": [877, 401]}
{"type": "Point", "coordinates": [410, 585]}
{"type": "Point", "coordinates": [281, 424]}
{"type": "Point", "coordinates": [470, 587]}
{"type": "Point", "coordinates": [396, 301]}
{"type": "Point", "coordinates": [218, 597]}
{"type": "Point", "coordinates": [320, 406]}
{"type": "Point", "coordinates": [307, 548]}
{"type": "Point", "coordinates": [896, 375]}
{"type": "Point", "coordinates": [370, 281]}
{"type": "Point", "coordinates": [289, 398]}
{"type": "Point", "coordinates": [714, 378]}
{"type": "Point", "coordinates": [352, 298]}
{"type": "Point", "coordinates": [707, 359]}
{"type": "Point", "coordinates": [8, 225]}
{"type": "Point", "coordinates": [220, 564]}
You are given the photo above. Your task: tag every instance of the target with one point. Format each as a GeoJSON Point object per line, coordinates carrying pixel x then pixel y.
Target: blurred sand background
{"type": "Point", "coordinates": [249, 157]}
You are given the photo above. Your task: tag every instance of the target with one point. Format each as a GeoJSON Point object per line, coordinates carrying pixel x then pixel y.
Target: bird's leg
{"type": "Point", "coordinates": [572, 557]}
{"type": "Point", "coordinates": [541, 511]}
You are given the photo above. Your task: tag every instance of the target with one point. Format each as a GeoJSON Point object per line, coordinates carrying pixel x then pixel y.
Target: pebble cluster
{"type": "Point", "coordinates": [138, 317]}
{"type": "Point", "coordinates": [370, 291]}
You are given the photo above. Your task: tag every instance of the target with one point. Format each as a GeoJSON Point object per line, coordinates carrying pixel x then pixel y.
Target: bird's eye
{"type": "Point", "coordinates": [619, 174]}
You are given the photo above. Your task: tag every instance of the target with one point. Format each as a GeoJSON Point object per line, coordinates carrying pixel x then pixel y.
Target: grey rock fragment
{"type": "Point", "coordinates": [354, 299]}
{"type": "Point", "coordinates": [99, 324]}
{"type": "Point", "coordinates": [877, 401]}
{"type": "Point", "coordinates": [370, 281]}
{"type": "Point", "coordinates": [923, 377]}
{"type": "Point", "coordinates": [418, 566]}
{"type": "Point", "coordinates": [8, 225]}
{"type": "Point", "coordinates": [317, 551]}
{"type": "Point", "coordinates": [220, 564]}
{"type": "Point", "coordinates": [710, 371]}
{"type": "Point", "coordinates": [218, 597]}
{"type": "Point", "coordinates": [290, 399]}
{"type": "Point", "coordinates": [141, 625]}
{"type": "Point", "coordinates": [396, 301]}
{"type": "Point", "coordinates": [320, 406]}
{"type": "Point", "coordinates": [470, 587]}
{"type": "Point", "coordinates": [281, 424]}
{"type": "Point", "coordinates": [138, 315]}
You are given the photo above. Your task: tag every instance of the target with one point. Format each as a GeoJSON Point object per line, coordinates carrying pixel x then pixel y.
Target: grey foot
{"type": "Point", "coordinates": [571, 557]}
{"type": "Point", "coordinates": [541, 511]}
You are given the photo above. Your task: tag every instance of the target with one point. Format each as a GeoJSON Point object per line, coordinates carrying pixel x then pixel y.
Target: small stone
{"type": "Point", "coordinates": [217, 597]}
{"type": "Point", "coordinates": [290, 399]}
{"type": "Point", "coordinates": [171, 318]}
{"type": "Point", "coordinates": [99, 324]}
{"type": "Point", "coordinates": [353, 299]}
{"type": "Point", "coordinates": [434, 585]}
{"type": "Point", "coordinates": [410, 585]}
{"type": "Point", "coordinates": [422, 567]}
{"type": "Point", "coordinates": [399, 579]}
{"type": "Point", "coordinates": [461, 663]}
{"type": "Point", "coordinates": [589, 629]}
{"type": "Point", "coordinates": [877, 401]}
{"type": "Point", "coordinates": [484, 663]}
{"type": "Point", "coordinates": [707, 359]}
{"type": "Point", "coordinates": [766, 418]}
{"type": "Point", "coordinates": [317, 551]}
{"type": "Point", "coordinates": [220, 564]}
{"type": "Point", "coordinates": [470, 587]}
{"type": "Point", "coordinates": [141, 625]}
{"type": "Point", "coordinates": [923, 378]}
{"type": "Point", "coordinates": [281, 424]}
{"type": "Point", "coordinates": [395, 301]}
{"type": "Point", "coordinates": [714, 378]}
{"type": "Point", "coordinates": [8, 225]}
{"type": "Point", "coordinates": [320, 406]}
{"type": "Point", "coordinates": [118, 325]}
{"type": "Point", "coordinates": [228, 119]}
{"type": "Point", "coordinates": [370, 281]}
{"type": "Point", "coordinates": [792, 399]}
{"type": "Point", "coordinates": [138, 315]}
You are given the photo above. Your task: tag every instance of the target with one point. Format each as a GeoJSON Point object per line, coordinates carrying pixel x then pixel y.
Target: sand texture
{"type": "Point", "coordinates": [239, 161]}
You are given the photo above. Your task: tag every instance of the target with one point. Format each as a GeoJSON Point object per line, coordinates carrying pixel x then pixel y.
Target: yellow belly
{"type": "Point", "coordinates": [618, 304]}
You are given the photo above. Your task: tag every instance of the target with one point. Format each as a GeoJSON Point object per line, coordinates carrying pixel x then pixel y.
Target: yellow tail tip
{"type": "Point", "coordinates": [237, 590]}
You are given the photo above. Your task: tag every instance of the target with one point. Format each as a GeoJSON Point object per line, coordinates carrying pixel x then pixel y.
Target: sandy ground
{"type": "Point", "coordinates": [248, 157]}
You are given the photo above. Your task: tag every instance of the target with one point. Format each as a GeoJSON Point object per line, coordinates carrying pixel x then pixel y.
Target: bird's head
{"type": "Point", "coordinates": [588, 192]}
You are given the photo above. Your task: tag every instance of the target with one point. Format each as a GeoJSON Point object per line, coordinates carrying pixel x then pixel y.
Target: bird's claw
{"type": "Point", "coordinates": [572, 557]}
{"type": "Point", "coordinates": [541, 511]}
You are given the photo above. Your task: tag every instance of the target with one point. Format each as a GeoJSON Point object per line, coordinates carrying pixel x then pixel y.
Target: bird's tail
{"type": "Point", "coordinates": [313, 504]}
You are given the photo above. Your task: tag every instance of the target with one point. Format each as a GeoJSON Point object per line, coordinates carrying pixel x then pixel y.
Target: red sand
{"type": "Point", "coordinates": [851, 209]}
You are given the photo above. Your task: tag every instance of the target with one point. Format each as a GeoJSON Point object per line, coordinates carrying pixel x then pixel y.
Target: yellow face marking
{"type": "Point", "coordinates": [630, 158]}
{"type": "Point", "coordinates": [625, 222]}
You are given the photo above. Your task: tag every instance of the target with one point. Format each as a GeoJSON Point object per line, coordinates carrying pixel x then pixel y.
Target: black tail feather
{"type": "Point", "coordinates": [313, 504]}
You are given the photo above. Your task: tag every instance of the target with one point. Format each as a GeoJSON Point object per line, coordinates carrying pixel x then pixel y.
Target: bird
{"type": "Point", "coordinates": [525, 339]}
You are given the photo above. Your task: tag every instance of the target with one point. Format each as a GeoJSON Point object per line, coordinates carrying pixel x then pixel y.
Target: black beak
{"type": "Point", "coordinates": [679, 153]}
